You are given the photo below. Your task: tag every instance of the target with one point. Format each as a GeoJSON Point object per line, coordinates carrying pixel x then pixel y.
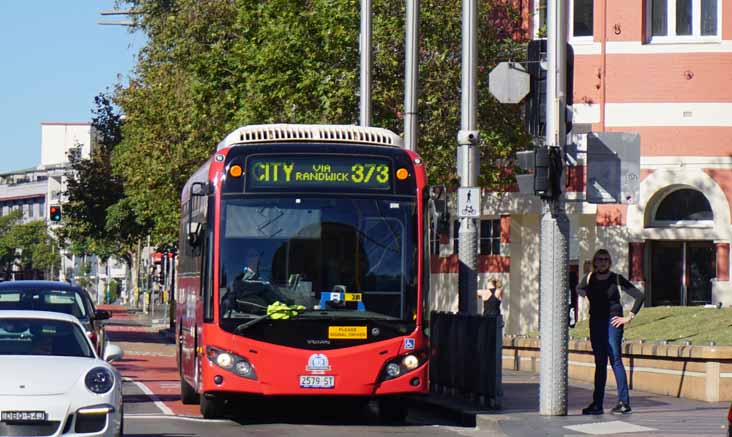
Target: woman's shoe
{"type": "Point", "coordinates": [592, 409]}
{"type": "Point", "coordinates": [621, 408]}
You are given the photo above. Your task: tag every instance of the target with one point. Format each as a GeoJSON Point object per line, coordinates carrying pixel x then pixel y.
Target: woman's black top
{"type": "Point", "coordinates": [604, 296]}
{"type": "Point", "coordinates": [492, 305]}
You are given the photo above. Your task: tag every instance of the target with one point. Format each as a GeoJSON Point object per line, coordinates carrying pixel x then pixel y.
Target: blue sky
{"type": "Point", "coordinates": [54, 59]}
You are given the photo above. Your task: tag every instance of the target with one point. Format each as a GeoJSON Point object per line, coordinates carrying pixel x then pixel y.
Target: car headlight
{"type": "Point", "coordinates": [402, 364]}
{"type": "Point", "coordinates": [99, 380]}
{"type": "Point", "coordinates": [231, 362]}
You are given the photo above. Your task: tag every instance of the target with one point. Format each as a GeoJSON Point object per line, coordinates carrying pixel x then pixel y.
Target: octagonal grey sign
{"type": "Point", "coordinates": [509, 82]}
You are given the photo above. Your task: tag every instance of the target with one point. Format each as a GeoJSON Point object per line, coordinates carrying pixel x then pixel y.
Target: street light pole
{"type": "Point", "coordinates": [365, 45]}
{"type": "Point", "coordinates": [468, 158]}
{"type": "Point", "coordinates": [554, 228]}
{"type": "Point", "coordinates": [411, 75]}
{"type": "Point", "coordinates": [125, 12]}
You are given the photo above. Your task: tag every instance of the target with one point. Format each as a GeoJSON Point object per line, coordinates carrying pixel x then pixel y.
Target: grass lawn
{"type": "Point", "coordinates": [698, 325]}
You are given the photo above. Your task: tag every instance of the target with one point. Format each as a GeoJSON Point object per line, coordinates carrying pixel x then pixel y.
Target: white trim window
{"type": "Point", "coordinates": [683, 207]}
{"type": "Point", "coordinates": [581, 20]}
{"type": "Point", "coordinates": [490, 237]}
{"type": "Point", "coordinates": [684, 20]}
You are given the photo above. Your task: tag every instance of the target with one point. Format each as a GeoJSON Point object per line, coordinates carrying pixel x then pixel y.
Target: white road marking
{"type": "Point", "coordinates": [156, 400]}
{"type": "Point", "coordinates": [604, 428]}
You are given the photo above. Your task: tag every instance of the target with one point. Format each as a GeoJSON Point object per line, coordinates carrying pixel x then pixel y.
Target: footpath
{"type": "Point", "coordinates": [149, 363]}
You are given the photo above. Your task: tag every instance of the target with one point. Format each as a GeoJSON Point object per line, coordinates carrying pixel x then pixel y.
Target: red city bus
{"type": "Point", "coordinates": [303, 268]}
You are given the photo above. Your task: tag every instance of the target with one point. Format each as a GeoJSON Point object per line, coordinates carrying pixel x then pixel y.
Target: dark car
{"type": "Point", "coordinates": [59, 297]}
{"type": "Point", "coordinates": [729, 420]}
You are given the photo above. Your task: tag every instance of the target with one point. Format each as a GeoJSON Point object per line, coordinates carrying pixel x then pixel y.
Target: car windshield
{"type": "Point", "coordinates": [42, 337]}
{"type": "Point", "coordinates": [57, 301]}
{"type": "Point", "coordinates": [344, 257]}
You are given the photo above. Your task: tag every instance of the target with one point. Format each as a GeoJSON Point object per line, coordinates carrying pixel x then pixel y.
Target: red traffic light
{"type": "Point", "coordinates": [54, 213]}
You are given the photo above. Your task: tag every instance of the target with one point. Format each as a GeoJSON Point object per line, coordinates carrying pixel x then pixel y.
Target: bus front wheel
{"type": "Point", "coordinates": [211, 407]}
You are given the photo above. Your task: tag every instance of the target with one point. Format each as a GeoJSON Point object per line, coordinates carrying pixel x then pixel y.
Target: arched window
{"type": "Point", "coordinates": [684, 207]}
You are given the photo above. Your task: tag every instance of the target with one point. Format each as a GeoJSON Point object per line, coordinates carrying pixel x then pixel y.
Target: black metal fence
{"type": "Point", "coordinates": [466, 356]}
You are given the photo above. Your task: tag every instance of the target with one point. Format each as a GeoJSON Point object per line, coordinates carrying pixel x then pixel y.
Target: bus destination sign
{"type": "Point", "coordinates": [293, 172]}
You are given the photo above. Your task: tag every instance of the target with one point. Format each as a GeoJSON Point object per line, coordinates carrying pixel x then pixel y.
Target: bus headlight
{"type": "Point", "coordinates": [231, 362]}
{"type": "Point", "coordinates": [393, 370]}
{"type": "Point", "coordinates": [224, 360]}
{"type": "Point", "coordinates": [410, 362]}
{"type": "Point", "coordinates": [403, 364]}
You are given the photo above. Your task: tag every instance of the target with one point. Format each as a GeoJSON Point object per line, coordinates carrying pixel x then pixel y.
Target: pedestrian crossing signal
{"type": "Point", "coordinates": [54, 212]}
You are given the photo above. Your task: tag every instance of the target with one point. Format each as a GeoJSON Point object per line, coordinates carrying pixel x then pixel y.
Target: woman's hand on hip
{"type": "Point", "coordinates": [617, 321]}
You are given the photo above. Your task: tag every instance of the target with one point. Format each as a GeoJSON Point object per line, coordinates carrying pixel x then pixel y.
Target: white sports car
{"type": "Point", "coordinates": [53, 383]}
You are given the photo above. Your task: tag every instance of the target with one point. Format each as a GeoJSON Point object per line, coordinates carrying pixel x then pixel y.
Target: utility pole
{"type": "Point", "coordinates": [468, 158]}
{"type": "Point", "coordinates": [554, 227]}
{"type": "Point", "coordinates": [411, 75]}
{"type": "Point", "coordinates": [365, 43]}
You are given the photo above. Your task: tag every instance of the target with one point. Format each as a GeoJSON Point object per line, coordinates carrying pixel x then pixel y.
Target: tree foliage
{"type": "Point", "coordinates": [27, 245]}
{"type": "Point", "coordinates": [212, 65]}
{"type": "Point", "coordinates": [97, 218]}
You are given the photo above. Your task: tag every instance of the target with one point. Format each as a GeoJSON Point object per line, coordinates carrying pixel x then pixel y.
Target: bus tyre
{"type": "Point", "coordinates": [188, 394]}
{"type": "Point", "coordinates": [391, 411]}
{"type": "Point", "coordinates": [211, 407]}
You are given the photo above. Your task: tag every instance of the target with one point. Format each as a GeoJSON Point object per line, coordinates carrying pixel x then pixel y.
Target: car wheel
{"type": "Point", "coordinates": [211, 407]}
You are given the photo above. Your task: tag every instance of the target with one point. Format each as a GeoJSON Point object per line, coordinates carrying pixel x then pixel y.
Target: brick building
{"type": "Point", "coordinates": [660, 68]}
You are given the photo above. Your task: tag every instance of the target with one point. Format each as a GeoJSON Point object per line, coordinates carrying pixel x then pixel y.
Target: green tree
{"type": "Point", "coordinates": [212, 65]}
{"type": "Point", "coordinates": [27, 245]}
{"type": "Point", "coordinates": [7, 246]}
{"type": "Point", "coordinates": [96, 216]}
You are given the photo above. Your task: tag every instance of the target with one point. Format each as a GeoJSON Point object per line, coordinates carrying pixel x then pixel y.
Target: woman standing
{"type": "Point", "coordinates": [602, 288]}
{"type": "Point", "coordinates": [492, 297]}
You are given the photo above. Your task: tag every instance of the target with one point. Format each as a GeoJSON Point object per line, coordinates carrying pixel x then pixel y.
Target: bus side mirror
{"type": "Point", "coordinates": [193, 229]}
{"type": "Point", "coordinates": [199, 189]}
{"type": "Point", "coordinates": [440, 212]}
{"type": "Point", "coordinates": [194, 233]}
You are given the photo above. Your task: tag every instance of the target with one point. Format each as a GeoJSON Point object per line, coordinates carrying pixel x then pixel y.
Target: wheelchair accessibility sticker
{"type": "Point", "coordinates": [409, 344]}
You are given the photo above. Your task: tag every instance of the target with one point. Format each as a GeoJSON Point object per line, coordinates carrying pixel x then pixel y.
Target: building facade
{"type": "Point", "coordinates": [659, 68]}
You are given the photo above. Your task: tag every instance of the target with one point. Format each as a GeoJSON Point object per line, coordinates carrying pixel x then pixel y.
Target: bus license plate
{"type": "Point", "coordinates": [317, 381]}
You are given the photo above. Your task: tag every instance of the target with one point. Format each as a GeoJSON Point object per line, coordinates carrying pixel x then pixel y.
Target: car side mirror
{"type": "Point", "coordinates": [102, 315]}
{"type": "Point", "coordinates": [112, 352]}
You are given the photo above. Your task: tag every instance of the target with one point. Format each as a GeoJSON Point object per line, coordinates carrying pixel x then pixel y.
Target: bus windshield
{"type": "Point", "coordinates": [339, 256]}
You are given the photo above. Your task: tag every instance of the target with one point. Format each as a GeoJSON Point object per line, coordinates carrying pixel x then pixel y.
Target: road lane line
{"type": "Point", "coordinates": [156, 400]}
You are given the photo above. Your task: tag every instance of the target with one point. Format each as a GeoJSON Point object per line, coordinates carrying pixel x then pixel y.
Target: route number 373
{"type": "Point", "coordinates": [363, 173]}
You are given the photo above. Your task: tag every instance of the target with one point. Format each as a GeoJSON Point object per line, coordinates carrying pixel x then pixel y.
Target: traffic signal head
{"type": "Point", "coordinates": [54, 213]}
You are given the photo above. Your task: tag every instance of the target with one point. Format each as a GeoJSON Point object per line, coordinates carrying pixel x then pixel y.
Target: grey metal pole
{"type": "Point", "coordinates": [365, 62]}
{"type": "Point", "coordinates": [411, 75]}
{"type": "Point", "coordinates": [554, 230]}
{"type": "Point", "coordinates": [468, 159]}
